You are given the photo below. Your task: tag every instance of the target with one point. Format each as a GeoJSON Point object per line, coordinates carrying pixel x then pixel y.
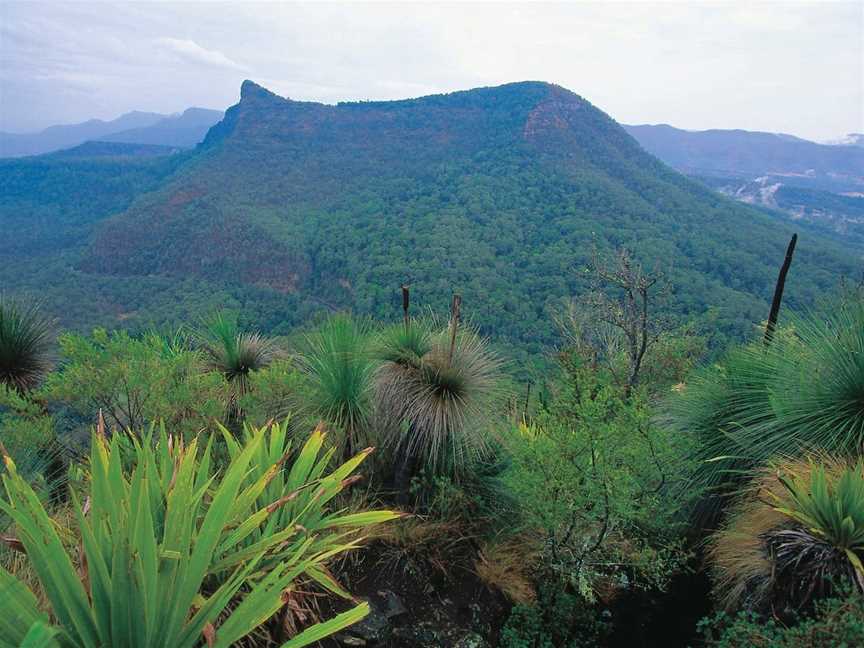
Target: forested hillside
{"type": "Point", "coordinates": [290, 208]}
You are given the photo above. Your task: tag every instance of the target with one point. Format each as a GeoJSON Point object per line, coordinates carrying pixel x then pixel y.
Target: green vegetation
{"type": "Point", "coordinates": [798, 529]}
{"type": "Point", "coordinates": [801, 393]}
{"type": "Point", "coordinates": [838, 621]}
{"type": "Point", "coordinates": [566, 504]}
{"type": "Point", "coordinates": [25, 345]}
{"type": "Point", "coordinates": [152, 535]}
{"type": "Point", "coordinates": [552, 494]}
{"type": "Point", "coordinates": [296, 209]}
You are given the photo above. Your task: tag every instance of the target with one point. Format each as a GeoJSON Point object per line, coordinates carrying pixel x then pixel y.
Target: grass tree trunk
{"type": "Point", "coordinates": [778, 291]}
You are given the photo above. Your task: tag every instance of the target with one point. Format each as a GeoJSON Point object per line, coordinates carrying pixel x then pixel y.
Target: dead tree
{"type": "Point", "coordinates": [622, 299]}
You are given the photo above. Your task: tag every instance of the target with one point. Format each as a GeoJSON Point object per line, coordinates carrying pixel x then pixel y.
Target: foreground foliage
{"type": "Point", "coordinates": [837, 622]}
{"type": "Point", "coordinates": [801, 393]}
{"type": "Point", "coordinates": [598, 479]}
{"type": "Point", "coordinates": [798, 529]}
{"type": "Point", "coordinates": [153, 536]}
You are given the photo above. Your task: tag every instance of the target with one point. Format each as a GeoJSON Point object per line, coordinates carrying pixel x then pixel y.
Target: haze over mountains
{"type": "Point", "coordinates": [184, 130]}
{"type": "Point", "coordinates": [290, 208]}
{"type": "Point", "coordinates": [820, 184]}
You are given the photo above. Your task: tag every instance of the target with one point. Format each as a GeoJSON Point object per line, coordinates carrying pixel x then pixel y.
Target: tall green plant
{"type": "Point", "coordinates": [235, 353]}
{"type": "Point", "coordinates": [802, 393]}
{"type": "Point", "coordinates": [304, 491]}
{"type": "Point", "coordinates": [151, 536]}
{"type": "Point", "coordinates": [25, 344]}
{"type": "Point", "coordinates": [338, 367]}
{"type": "Point", "coordinates": [437, 395]}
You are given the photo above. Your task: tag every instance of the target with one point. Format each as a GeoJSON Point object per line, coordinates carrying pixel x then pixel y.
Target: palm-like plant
{"type": "Point", "coordinates": [153, 536]}
{"type": "Point", "coordinates": [25, 344]}
{"type": "Point", "coordinates": [805, 392]}
{"type": "Point", "coordinates": [794, 534]}
{"type": "Point", "coordinates": [436, 393]}
{"type": "Point", "coordinates": [235, 353]}
{"type": "Point", "coordinates": [338, 368]}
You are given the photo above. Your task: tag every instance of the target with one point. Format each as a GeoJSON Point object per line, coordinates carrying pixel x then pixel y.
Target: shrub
{"type": "Point", "coordinates": [136, 381]}
{"type": "Point", "coordinates": [837, 622]}
{"type": "Point", "coordinates": [798, 528]}
{"type": "Point", "coordinates": [25, 344]}
{"type": "Point", "coordinates": [802, 393]}
{"type": "Point", "coordinates": [556, 620]}
{"type": "Point", "coordinates": [437, 398]}
{"type": "Point", "coordinates": [600, 484]}
{"type": "Point", "coordinates": [152, 535]}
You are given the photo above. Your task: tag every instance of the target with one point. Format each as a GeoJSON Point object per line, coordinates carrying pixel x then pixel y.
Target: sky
{"type": "Point", "coordinates": [787, 67]}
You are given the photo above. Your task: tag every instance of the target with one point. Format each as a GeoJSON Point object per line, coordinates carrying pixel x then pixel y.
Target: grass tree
{"type": "Point", "coordinates": [235, 354]}
{"type": "Point", "coordinates": [795, 534]}
{"type": "Point", "coordinates": [25, 344]}
{"type": "Point", "coordinates": [436, 392]}
{"type": "Point", "coordinates": [801, 393]}
{"type": "Point", "coordinates": [338, 367]}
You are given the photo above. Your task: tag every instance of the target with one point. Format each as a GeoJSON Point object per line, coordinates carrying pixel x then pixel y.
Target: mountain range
{"type": "Point", "coordinates": [288, 209]}
{"type": "Point", "coordinates": [184, 130]}
{"type": "Point", "coordinates": [818, 184]}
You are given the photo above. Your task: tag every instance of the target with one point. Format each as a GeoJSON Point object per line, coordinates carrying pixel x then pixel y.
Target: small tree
{"type": "Point", "coordinates": [617, 315]}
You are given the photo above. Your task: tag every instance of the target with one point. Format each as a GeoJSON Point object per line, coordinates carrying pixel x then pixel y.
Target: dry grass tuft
{"type": "Point", "coordinates": [508, 566]}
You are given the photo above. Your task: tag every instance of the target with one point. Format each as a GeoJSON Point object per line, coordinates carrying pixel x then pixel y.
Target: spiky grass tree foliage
{"type": "Point", "coordinates": [153, 537]}
{"type": "Point", "coordinates": [235, 353]}
{"type": "Point", "coordinates": [803, 392]}
{"type": "Point", "coordinates": [795, 533]}
{"type": "Point", "coordinates": [436, 399]}
{"type": "Point", "coordinates": [338, 366]}
{"type": "Point", "coordinates": [25, 344]}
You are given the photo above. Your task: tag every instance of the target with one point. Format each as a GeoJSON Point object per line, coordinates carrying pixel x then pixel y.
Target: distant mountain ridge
{"type": "Point", "coordinates": [740, 153]}
{"type": "Point", "coordinates": [184, 130]}
{"type": "Point", "coordinates": [821, 184]}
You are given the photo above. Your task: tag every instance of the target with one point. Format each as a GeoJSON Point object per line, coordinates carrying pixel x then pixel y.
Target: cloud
{"type": "Point", "coordinates": [194, 53]}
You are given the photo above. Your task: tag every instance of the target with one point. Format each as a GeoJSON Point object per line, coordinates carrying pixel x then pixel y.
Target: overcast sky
{"type": "Point", "coordinates": [777, 66]}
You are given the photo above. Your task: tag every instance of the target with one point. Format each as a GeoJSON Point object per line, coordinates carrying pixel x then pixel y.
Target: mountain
{"type": "Point", "coordinates": [184, 130]}
{"type": "Point", "coordinates": [852, 139]}
{"type": "Point", "coordinates": [818, 184]}
{"type": "Point", "coordinates": [55, 138]}
{"type": "Point", "coordinates": [289, 208]}
{"type": "Point", "coordinates": [749, 154]}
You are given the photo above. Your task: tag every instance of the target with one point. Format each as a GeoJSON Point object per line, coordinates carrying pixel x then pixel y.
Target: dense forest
{"type": "Point", "coordinates": [290, 209]}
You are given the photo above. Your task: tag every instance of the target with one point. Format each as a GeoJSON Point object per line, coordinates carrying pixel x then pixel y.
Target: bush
{"type": "Point", "coordinates": [136, 381]}
{"type": "Point", "coordinates": [153, 535]}
{"type": "Point", "coordinates": [598, 481]}
{"type": "Point", "coordinates": [798, 528]}
{"type": "Point", "coordinates": [556, 620]}
{"type": "Point", "coordinates": [837, 622]}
